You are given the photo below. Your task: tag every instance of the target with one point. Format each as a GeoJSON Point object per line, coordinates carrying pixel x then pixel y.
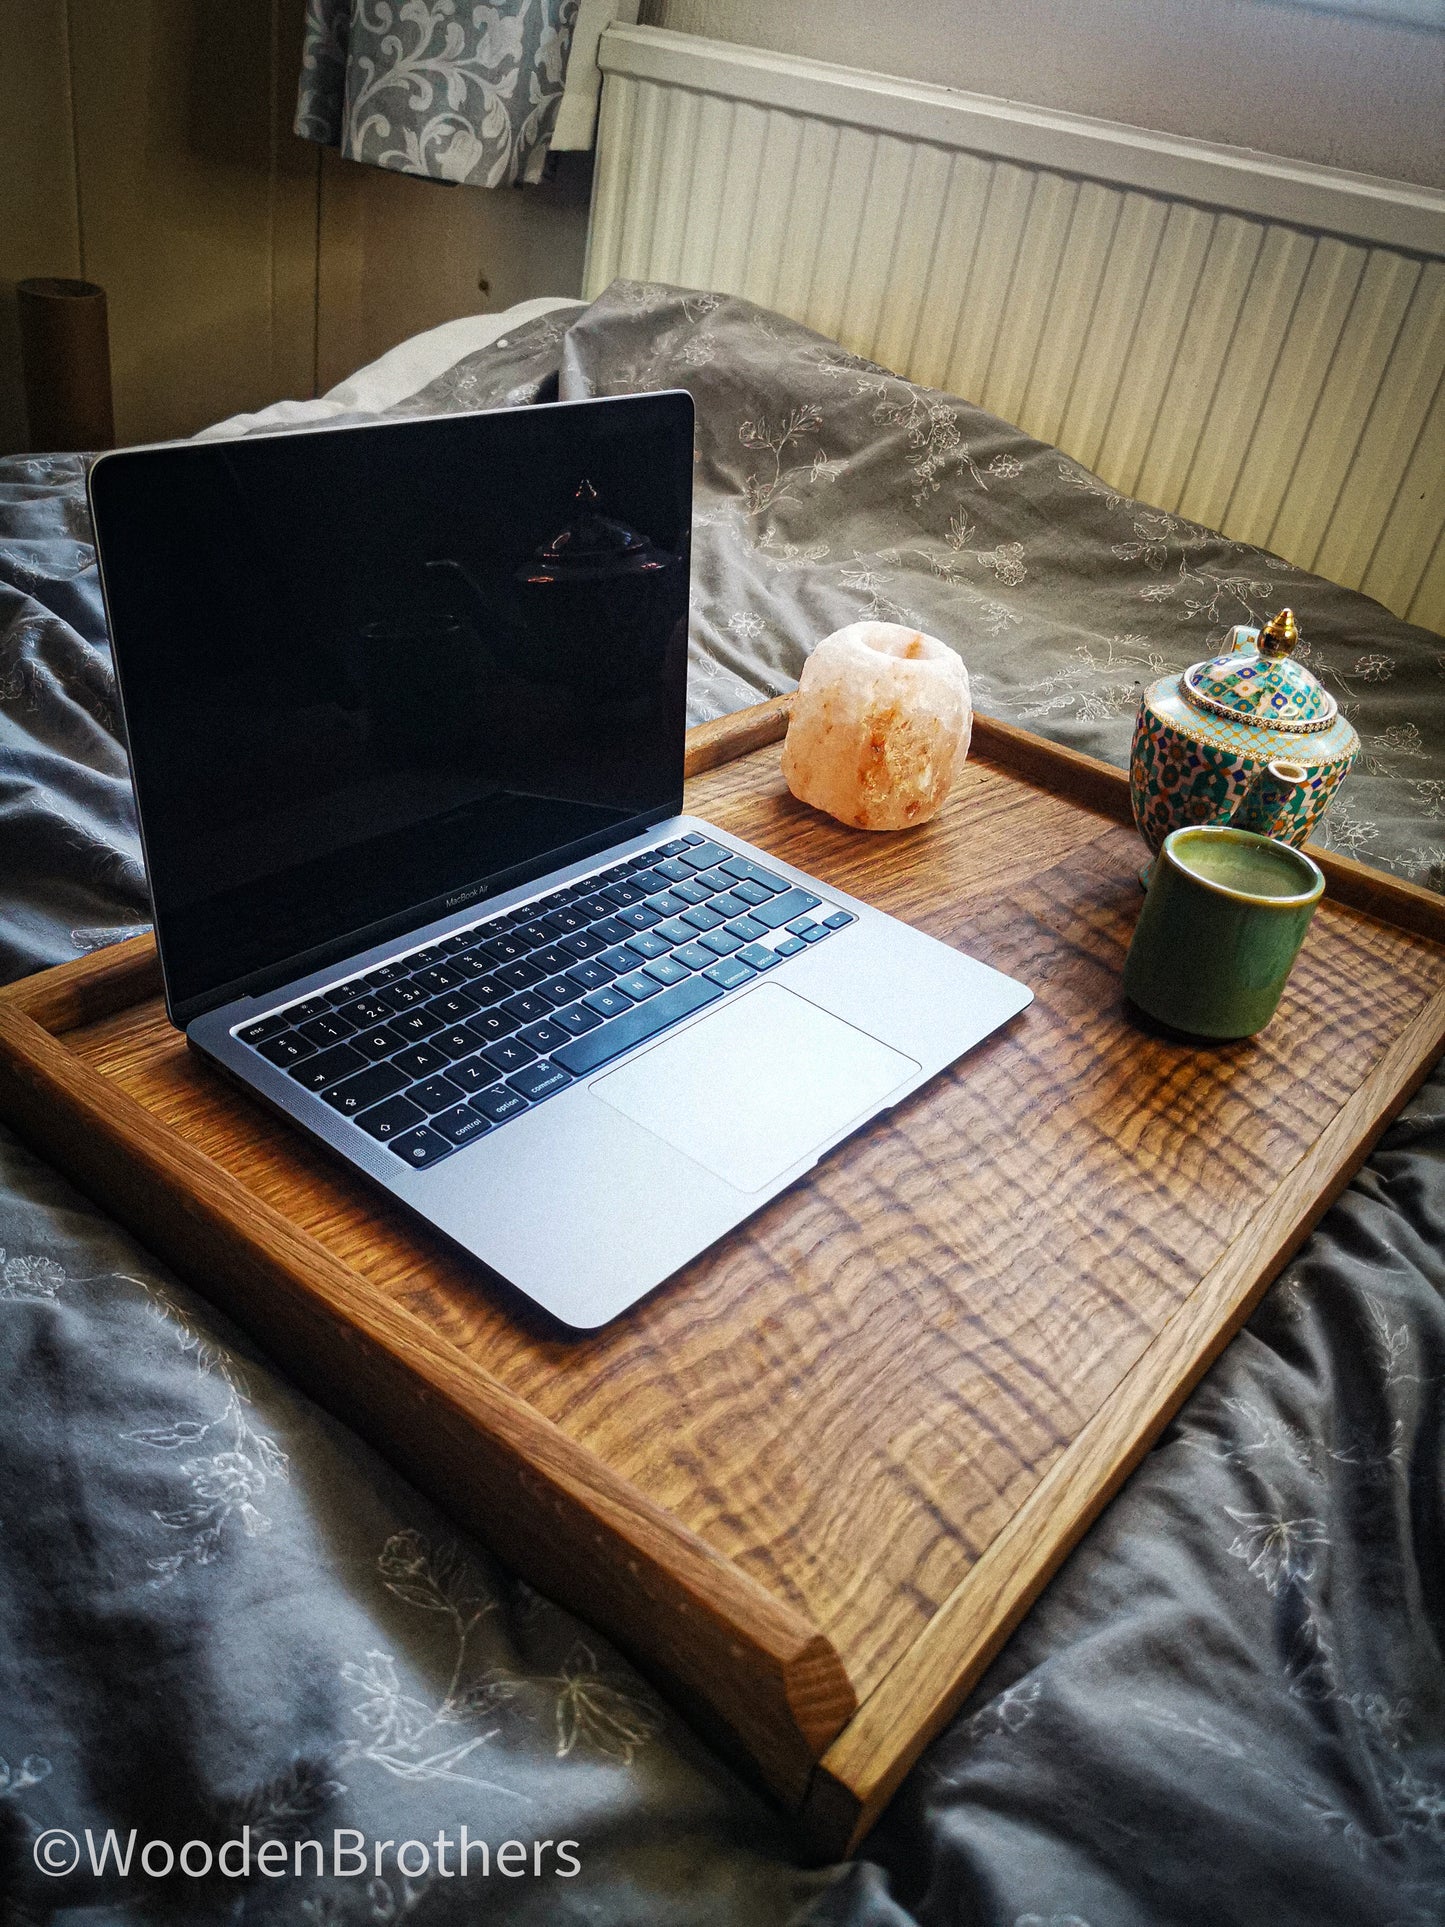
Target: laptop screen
{"type": "Point", "coordinates": [370, 674]}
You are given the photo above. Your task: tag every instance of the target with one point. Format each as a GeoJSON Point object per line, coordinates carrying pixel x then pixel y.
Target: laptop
{"type": "Point", "coordinates": [405, 704]}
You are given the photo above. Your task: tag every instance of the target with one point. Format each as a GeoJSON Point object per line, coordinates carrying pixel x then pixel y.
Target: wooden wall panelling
{"type": "Point", "coordinates": [39, 221]}
{"type": "Point", "coordinates": [198, 206]}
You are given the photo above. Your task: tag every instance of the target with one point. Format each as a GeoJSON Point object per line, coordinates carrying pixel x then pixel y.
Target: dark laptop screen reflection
{"type": "Point", "coordinates": [383, 666]}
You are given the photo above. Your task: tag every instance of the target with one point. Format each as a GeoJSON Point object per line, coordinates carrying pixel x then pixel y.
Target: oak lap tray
{"type": "Point", "coordinates": [813, 1482]}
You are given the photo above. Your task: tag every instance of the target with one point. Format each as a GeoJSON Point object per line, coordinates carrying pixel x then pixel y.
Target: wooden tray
{"type": "Point", "coordinates": [814, 1481]}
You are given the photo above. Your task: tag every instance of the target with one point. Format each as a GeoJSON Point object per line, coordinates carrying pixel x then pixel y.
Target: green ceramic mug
{"type": "Point", "coordinates": [1226, 913]}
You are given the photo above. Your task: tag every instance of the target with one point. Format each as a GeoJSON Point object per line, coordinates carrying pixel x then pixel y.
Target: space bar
{"type": "Point", "coordinates": [584, 1054]}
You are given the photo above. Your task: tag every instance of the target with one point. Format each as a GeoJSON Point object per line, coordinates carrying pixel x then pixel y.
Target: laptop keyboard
{"type": "Point", "coordinates": [431, 1051]}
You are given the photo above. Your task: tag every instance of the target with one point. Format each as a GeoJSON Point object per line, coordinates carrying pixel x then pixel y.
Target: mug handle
{"type": "Point", "coordinates": [1268, 805]}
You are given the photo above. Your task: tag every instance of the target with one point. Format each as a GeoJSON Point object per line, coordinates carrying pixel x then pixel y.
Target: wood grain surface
{"type": "Point", "coordinates": [891, 1401]}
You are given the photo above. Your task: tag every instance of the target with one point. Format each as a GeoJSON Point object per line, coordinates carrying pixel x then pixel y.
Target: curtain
{"type": "Point", "coordinates": [445, 88]}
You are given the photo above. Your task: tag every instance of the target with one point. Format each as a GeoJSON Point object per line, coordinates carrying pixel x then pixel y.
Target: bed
{"type": "Point", "coordinates": [221, 1611]}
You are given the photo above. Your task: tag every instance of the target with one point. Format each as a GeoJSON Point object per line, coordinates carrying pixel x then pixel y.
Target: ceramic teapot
{"type": "Point", "coordinates": [1248, 737]}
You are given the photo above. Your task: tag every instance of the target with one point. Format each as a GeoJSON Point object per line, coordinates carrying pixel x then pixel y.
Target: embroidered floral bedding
{"type": "Point", "coordinates": [219, 1610]}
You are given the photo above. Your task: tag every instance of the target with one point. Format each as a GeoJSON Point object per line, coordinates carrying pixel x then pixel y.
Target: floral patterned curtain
{"type": "Point", "coordinates": [445, 88]}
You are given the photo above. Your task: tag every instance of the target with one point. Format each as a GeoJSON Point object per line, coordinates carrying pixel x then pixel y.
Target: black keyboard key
{"type": "Point", "coordinates": [671, 871]}
{"type": "Point", "coordinates": [638, 985]}
{"type": "Point", "coordinates": [467, 966]}
{"type": "Point", "coordinates": [330, 1029]}
{"type": "Point", "coordinates": [694, 956]}
{"type": "Point", "coordinates": [592, 975]}
{"type": "Point", "coordinates": [527, 1007]}
{"type": "Point", "coordinates": [365, 1010]}
{"type": "Point", "coordinates": [743, 868]}
{"type": "Point", "coordinates": [488, 1025]}
{"type": "Point", "coordinates": [544, 1036]}
{"type": "Point", "coordinates": [454, 1043]}
{"type": "Point", "coordinates": [413, 1025]}
{"type": "Point", "coordinates": [499, 1104]}
{"type": "Point", "coordinates": [593, 907]}
{"type": "Point", "coordinates": [783, 909]}
{"type": "Point", "coordinates": [487, 991]}
{"type": "Point", "coordinates": [557, 991]}
{"type": "Point", "coordinates": [509, 1055]}
{"type": "Point", "coordinates": [520, 975]}
{"type": "Point", "coordinates": [458, 941]}
{"type": "Point", "coordinates": [730, 972]}
{"type": "Point", "coordinates": [647, 943]}
{"type": "Point", "coordinates": [839, 920]}
{"type": "Point", "coordinates": [621, 960]}
{"type": "Point", "coordinates": [344, 993]}
{"type": "Point", "coordinates": [690, 892]}
{"type": "Point", "coordinates": [309, 1007]}
{"type": "Point", "coordinates": [418, 1060]}
{"type": "Point", "coordinates": [722, 943]}
{"type": "Point", "coordinates": [402, 996]}
{"type": "Point", "coordinates": [329, 1068]}
{"type": "Point", "coordinates": [568, 918]}
{"type": "Point", "coordinates": [639, 916]}
{"type": "Point", "coordinates": [455, 1007]}
{"type": "Point", "coordinates": [536, 933]}
{"type": "Point", "coordinates": [368, 1087]}
{"type": "Point", "coordinates": [702, 855]}
{"type": "Point", "coordinates": [702, 917]}
{"type": "Point", "coordinates": [539, 1081]}
{"type": "Point", "coordinates": [667, 905]}
{"type": "Point", "coordinates": [437, 979]}
{"type": "Point", "coordinates": [504, 947]}
{"type": "Point", "coordinates": [759, 956]}
{"type": "Point", "coordinates": [286, 1050]}
{"type": "Point", "coordinates": [398, 1114]}
{"type": "Point", "coordinates": [668, 970]}
{"type": "Point", "coordinates": [676, 847]}
{"type": "Point", "coordinates": [421, 1147]}
{"type": "Point", "coordinates": [577, 1018]}
{"type": "Point", "coordinates": [582, 943]}
{"type": "Point", "coordinates": [648, 882]}
{"type": "Point", "coordinates": [584, 1054]}
{"type": "Point", "coordinates": [385, 974]}
{"type": "Point", "coordinates": [264, 1028]}
{"type": "Point", "coordinates": [551, 959]}
{"type": "Point", "coordinates": [472, 1074]}
{"type": "Point", "coordinates": [748, 928]}
{"type": "Point", "coordinates": [461, 1124]}
{"type": "Point", "coordinates": [608, 1003]}
{"type": "Point", "coordinates": [434, 1094]}
{"type": "Point", "coordinates": [421, 959]}
{"type": "Point", "coordinates": [611, 931]}
{"type": "Point", "coordinates": [378, 1042]}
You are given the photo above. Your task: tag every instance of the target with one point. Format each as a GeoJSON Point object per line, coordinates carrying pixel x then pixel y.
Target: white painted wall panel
{"type": "Point", "coordinates": [1255, 345]}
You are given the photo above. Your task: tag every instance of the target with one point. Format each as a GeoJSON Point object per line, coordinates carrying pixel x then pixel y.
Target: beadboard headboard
{"type": "Point", "coordinates": [1252, 343]}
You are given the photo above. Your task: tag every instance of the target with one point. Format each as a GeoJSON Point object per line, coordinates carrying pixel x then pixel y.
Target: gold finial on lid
{"type": "Point", "coordinates": [1279, 635]}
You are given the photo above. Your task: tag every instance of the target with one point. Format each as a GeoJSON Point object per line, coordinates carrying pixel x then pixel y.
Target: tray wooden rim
{"type": "Point", "coordinates": [754, 1670]}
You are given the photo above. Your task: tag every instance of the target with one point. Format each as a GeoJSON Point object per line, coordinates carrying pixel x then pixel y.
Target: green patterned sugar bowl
{"type": "Point", "coordinates": [1248, 737]}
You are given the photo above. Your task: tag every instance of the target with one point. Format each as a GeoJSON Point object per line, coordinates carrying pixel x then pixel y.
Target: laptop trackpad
{"type": "Point", "coordinates": [751, 1090]}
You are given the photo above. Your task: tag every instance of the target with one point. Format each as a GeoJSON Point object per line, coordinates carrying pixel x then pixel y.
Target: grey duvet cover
{"type": "Point", "coordinates": [219, 1611]}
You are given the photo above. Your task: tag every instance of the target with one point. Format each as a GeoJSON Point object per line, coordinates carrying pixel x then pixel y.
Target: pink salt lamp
{"type": "Point", "coordinates": [879, 728]}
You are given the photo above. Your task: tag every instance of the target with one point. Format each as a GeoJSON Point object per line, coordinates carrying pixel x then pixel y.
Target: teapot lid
{"type": "Point", "coordinates": [1260, 682]}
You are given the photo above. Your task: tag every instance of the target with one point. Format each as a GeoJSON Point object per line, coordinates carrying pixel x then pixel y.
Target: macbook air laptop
{"type": "Point", "coordinates": [405, 705]}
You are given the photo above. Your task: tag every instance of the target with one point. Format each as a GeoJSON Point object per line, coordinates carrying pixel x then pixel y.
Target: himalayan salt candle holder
{"type": "Point", "coordinates": [879, 728]}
